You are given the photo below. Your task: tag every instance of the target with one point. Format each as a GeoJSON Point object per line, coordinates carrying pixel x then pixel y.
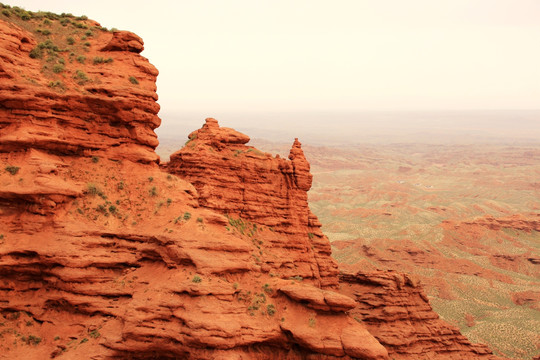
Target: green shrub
{"type": "Point", "coordinates": [12, 169]}
{"type": "Point", "coordinates": [94, 333]}
{"type": "Point", "coordinates": [31, 340]}
{"type": "Point", "coordinates": [25, 15]}
{"type": "Point", "coordinates": [196, 279]}
{"type": "Point", "coordinates": [81, 59]}
{"type": "Point", "coordinates": [187, 216]}
{"type": "Point", "coordinates": [70, 40]}
{"type": "Point", "coordinates": [270, 309]}
{"type": "Point", "coordinates": [95, 159]}
{"type": "Point", "coordinates": [133, 80]}
{"type": "Point", "coordinates": [48, 44]}
{"type": "Point", "coordinates": [46, 32]}
{"type": "Point", "coordinates": [297, 277]}
{"type": "Point", "coordinates": [47, 22]}
{"type": "Point", "coordinates": [57, 84]}
{"type": "Point", "coordinates": [102, 209]}
{"type": "Point", "coordinates": [93, 189]}
{"type": "Point", "coordinates": [58, 68]}
{"type": "Point", "coordinates": [150, 179]}
{"type": "Point", "coordinates": [6, 12]}
{"type": "Point", "coordinates": [49, 16]}
{"type": "Point", "coordinates": [36, 53]}
{"type": "Point", "coordinates": [81, 77]}
{"type": "Point", "coordinates": [153, 191]}
{"type": "Point", "coordinates": [112, 209]}
{"type": "Point", "coordinates": [200, 220]}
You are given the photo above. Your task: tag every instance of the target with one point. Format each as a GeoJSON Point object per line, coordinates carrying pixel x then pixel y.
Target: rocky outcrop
{"type": "Point", "coordinates": [396, 311]}
{"type": "Point", "coordinates": [239, 180]}
{"type": "Point", "coordinates": [517, 222]}
{"type": "Point", "coordinates": [247, 185]}
{"type": "Point", "coordinates": [103, 255]}
{"type": "Point", "coordinates": [82, 97]}
{"type": "Point", "coordinates": [119, 270]}
{"type": "Point", "coordinates": [318, 299]}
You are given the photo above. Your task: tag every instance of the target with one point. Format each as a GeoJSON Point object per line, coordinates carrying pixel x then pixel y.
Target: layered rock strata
{"type": "Point", "coordinates": [94, 96]}
{"type": "Point", "coordinates": [103, 255]}
{"type": "Point", "coordinates": [241, 182]}
{"type": "Point", "coordinates": [396, 311]}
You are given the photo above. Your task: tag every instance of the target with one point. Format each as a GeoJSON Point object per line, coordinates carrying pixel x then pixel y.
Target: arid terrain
{"type": "Point", "coordinates": [464, 219]}
{"type": "Point", "coordinates": [108, 251]}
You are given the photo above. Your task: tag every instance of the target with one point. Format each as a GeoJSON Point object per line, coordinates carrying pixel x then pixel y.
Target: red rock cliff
{"type": "Point", "coordinates": [105, 256]}
{"type": "Point", "coordinates": [76, 96]}
{"type": "Point", "coordinates": [396, 311]}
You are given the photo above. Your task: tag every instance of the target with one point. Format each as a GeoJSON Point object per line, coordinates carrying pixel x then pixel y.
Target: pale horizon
{"type": "Point", "coordinates": [349, 56]}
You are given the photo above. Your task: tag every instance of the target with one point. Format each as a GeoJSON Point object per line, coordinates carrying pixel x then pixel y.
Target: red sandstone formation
{"type": "Point", "coordinates": [238, 180]}
{"type": "Point", "coordinates": [241, 182]}
{"type": "Point", "coordinates": [87, 108]}
{"type": "Point", "coordinates": [103, 255]}
{"type": "Point", "coordinates": [396, 311]}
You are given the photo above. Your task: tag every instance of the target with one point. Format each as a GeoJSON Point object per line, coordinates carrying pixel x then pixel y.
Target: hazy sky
{"type": "Point", "coordinates": [296, 55]}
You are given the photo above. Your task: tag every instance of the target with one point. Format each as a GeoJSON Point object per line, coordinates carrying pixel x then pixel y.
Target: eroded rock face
{"type": "Point", "coordinates": [104, 255]}
{"type": "Point", "coordinates": [75, 104]}
{"type": "Point", "coordinates": [241, 182]}
{"type": "Point", "coordinates": [116, 270]}
{"type": "Point", "coordinates": [395, 309]}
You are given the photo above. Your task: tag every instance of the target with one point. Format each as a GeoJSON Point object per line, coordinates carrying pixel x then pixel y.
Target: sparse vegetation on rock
{"type": "Point", "coordinates": [12, 169]}
{"type": "Point", "coordinates": [155, 284]}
